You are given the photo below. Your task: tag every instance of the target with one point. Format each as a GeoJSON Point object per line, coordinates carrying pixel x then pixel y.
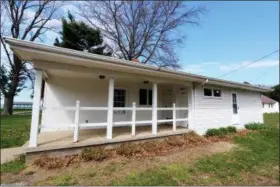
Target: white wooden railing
{"type": "Point", "coordinates": [133, 122]}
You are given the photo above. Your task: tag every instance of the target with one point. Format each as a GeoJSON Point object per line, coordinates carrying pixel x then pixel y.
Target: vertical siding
{"type": "Point", "coordinates": [217, 112]}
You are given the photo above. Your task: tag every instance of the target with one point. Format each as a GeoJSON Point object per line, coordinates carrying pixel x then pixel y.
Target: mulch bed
{"type": "Point", "coordinates": [133, 150]}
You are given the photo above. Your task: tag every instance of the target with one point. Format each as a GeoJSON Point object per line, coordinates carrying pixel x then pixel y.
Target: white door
{"type": "Point", "coordinates": [235, 108]}
{"type": "Point", "coordinates": [167, 96]}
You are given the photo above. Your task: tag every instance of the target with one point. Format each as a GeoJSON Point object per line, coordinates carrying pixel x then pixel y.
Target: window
{"type": "Point", "coordinates": [217, 93]}
{"type": "Point", "coordinates": [119, 100]}
{"type": "Point", "coordinates": [212, 92]}
{"type": "Point", "coordinates": [234, 104]}
{"type": "Point", "coordinates": [207, 92]}
{"type": "Point", "coordinates": [145, 97]}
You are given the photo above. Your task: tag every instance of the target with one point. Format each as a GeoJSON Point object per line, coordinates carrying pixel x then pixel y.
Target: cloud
{"type": "Point", "coordinates": [199, 68]}
{"type": "Point", "coordinates": [53, 23]}
{"type": "Point", "coordinates": [194, 68]}
{"type": "Point", "coordinates": [260, 64]}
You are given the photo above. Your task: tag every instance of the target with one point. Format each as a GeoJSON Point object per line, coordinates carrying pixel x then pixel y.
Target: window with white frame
{"type": "Point", "coordinates": [119, 100]}
{"type": "Point", "coordinates": [145, 97]}
{"type": "Point", "coordinates": [212, 92]}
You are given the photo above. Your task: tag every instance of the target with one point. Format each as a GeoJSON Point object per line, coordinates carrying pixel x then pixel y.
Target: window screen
{"type": "Point", "coordinates": [119, 98]}
{"type": "Point", "coordinates": [150, 97]}
{"type": "Point", "coordinates": [217, 93]}
{"type": "Point", "coordinates": [207, 92]}
{"type": "Point", "coordinates": [234, 103]}
{"type": "Point", "coordinates": [142, 97]}
{"type": "Point", "coordinates": [145, 97]}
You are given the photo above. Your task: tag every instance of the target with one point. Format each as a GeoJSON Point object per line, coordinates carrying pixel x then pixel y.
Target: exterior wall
{"type": "Point", "coordinates": [62, 92]}
{"type": "Point", "coordinates": [271, 109]}
{"type": "Point", "coordinates": [218, 112]}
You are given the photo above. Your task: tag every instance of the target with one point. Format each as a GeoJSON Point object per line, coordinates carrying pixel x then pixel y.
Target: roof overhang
{"type": "Point", "coordinates": [37, 53]}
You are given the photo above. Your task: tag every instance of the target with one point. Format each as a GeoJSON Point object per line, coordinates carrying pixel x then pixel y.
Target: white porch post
{"type": "Point", "coordinates": [133, 118]}
{"type": "Point", "coordinates": [174, 117]}
{"type": "Point", "coordinates": [110, 109]}
{"type": "Point", "coordinates": [36, 109]}
{"type": "Point", "coordinates": [76, 128]}
{"type": "Point", "coordinates": [190, 108]}
{"type": "Point", "coordinates": [154, 112]}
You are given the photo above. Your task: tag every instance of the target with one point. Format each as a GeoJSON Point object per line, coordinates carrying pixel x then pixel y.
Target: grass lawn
{"type": "Point", "coordinates": [14, 166]}
{"type": "Point", "coordinates": [271, 119]}
{"type": "Point", "coordinates": [253, 161]}
{"type": "Point", "coordinates": [14, 130]}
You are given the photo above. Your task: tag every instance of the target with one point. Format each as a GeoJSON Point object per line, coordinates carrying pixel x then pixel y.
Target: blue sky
{"type": "Point", "coordinates": [231, 34]}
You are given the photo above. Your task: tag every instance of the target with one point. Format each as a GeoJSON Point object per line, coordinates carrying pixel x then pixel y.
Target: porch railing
{"type": "Point", "coordinates": [77, 125]}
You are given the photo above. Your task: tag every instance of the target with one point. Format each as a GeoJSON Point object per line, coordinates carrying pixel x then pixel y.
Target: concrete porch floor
{"type": "Point", "coordinates": [48, 141]}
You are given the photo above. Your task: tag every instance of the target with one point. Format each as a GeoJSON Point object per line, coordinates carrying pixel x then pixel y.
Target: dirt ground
{"type": "Point", "coordinates": [101, 173]}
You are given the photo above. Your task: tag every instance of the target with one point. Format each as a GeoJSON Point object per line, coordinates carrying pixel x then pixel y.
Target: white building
{"type": "Point", "coordinates": [87, 91]}
{"type": "Point", "coordinates": [269, 105]}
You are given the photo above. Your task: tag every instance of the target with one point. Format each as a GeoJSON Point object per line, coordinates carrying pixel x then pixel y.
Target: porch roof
{"type": "Point", "coordinates": [36, 53]}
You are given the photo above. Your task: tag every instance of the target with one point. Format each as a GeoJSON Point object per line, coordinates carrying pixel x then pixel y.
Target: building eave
{"type": "Point", "coordinates": [99, 60]}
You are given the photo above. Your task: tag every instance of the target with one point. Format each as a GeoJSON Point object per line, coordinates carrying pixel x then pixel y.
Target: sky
{"type": "Point", "coordinates": [231, 34]}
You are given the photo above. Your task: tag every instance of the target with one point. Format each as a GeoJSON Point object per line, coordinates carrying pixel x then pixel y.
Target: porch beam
{"type": "Point", "coordinates": [49, 66]}
{"type": "Point", "coordinates": [154, 111]}
{"type": "Point", "coordinates": [110, 109]}
{"type": "Point", "coordinates": [36, 109]}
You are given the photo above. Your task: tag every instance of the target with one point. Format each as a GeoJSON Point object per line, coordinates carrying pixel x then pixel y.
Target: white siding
{"type": "Point", "coordinates": [61, 92]}
{"type": "Point", "coordinates": [218, 112]}
{"type": "Point", "coordinates": [271, 109]}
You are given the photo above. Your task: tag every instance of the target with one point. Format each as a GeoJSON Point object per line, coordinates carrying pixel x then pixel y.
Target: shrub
{"type": "Point", "coordinates": [231, 129]}
{"type": "Point", "coordinates": [255, 126]}
{"type": "Point", "coordinates": [97, 154]}
{"type": "Point", "coordinates": [213, 132]}
{"type": "Point", "coordinates": [221, 131]}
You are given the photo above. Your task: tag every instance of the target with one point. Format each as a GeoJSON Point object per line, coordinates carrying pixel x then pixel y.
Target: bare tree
{"type": "Point", "coordinates": [25, 20]}
{"type": "Point", "coordinates": [142, 29]}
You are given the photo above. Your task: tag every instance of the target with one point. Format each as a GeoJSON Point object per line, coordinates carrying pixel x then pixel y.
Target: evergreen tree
{"type": "Point", "coordinates": [79, 36]}
{"type": "Point", "coordinates": [274, 94]}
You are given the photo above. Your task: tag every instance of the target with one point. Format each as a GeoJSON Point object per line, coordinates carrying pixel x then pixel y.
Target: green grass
{"type": "Point", "coordinates": [257, 152]}
{"type": "Point", "coordinates": [63, 180]}
{"type": "Point", "coordinates": [14, 166]}
{"type": "Point", "coordinates": [14, 130]}
{"type": "Point", "coordinates": [271, 119]}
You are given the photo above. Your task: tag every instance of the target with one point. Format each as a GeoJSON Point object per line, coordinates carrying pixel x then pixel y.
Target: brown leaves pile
{"type": "Point", "coordinates": [48, 162]}
{"type": "Point", "coordinates": [133, 150]}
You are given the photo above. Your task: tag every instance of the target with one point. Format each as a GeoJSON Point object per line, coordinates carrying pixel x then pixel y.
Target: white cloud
{"type": "Point", "coordinates": [260, 64]}
{"type": "Point", "coordinates": [193, 68]}
{"type": "Point", "coordinates": [53, 23]}
{"type": "Point", "coordinates": [29, 14]}
{"type": "Point", "coordinates": [199, 68]}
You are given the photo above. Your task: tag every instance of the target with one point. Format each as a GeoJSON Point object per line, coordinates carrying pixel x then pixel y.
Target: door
{"type": "Point", "coordinates": [235, 115]}
{"type": "Point", "coordinates": [167, 96]}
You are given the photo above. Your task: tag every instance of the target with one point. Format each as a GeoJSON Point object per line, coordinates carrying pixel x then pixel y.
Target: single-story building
{"type": "Point", "coordinates": [88, 92]}
{"type": "Point", "coordinates": [269, 105]}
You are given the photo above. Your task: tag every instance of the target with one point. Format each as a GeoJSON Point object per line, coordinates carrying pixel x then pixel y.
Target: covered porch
{"type": "Point", "coordinates": [83, 105]}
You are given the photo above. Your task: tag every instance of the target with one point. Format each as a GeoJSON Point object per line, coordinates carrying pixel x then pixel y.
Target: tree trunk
{"type": "Point", "coordinates": [9, 96]}
{"type": "Point", "coordinates": [8, 105]}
